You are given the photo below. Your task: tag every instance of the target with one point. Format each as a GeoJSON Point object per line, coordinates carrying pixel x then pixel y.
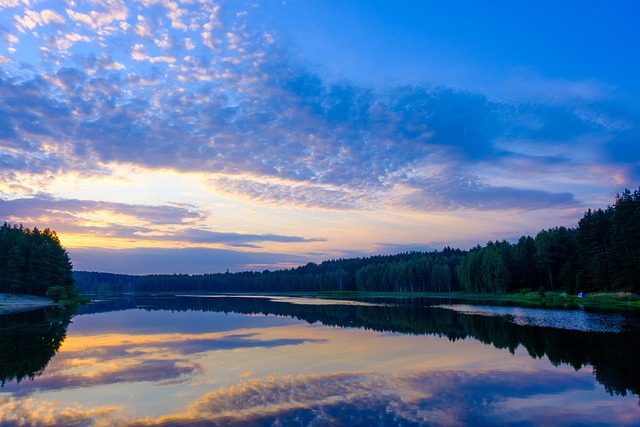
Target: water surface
{"type": "Point", "coordinates": [195, 360]}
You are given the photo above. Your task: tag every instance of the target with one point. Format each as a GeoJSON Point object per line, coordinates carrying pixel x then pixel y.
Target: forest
{"type": "Point", "coordinates": [33, 262]}
{"type": "Point", "coordinates": [602, 253]}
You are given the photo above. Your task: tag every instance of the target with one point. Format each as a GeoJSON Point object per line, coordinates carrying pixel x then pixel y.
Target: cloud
{"type": "Point", "coordinates": [463, 196]}
{"type": "Point", "coordinates": [33, 19]}
{"type": "Point", "coordinates": [173, 223]}
{"type": "Point", "coordinates": [51, 16]}
{"type": "Point", "coordinates": [105, 18]}
{"type": "Point", "coordinates": [44, 205]}
{"type": "Point", "coordinates": [205, 236]}
{"type": "Point", "coordinates": [169, 261]}
{"type": "Point", "coordinates": [9, 3]}
{"type": "Point", "coordinates": [296, 194]}
{"type": "Point", "coordinates": [215, 90]}
{"type": "Point", "coordinates": [278, 131]}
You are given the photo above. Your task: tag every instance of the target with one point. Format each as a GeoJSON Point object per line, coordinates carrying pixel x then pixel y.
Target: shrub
{"type": "Point", "coordinates": [57, 293]}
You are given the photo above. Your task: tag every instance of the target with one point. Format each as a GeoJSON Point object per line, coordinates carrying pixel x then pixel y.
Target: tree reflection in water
{"type": "Point", "coordinates": [611, 354]}
{"type": "Point", "coordinates": [28, 341]}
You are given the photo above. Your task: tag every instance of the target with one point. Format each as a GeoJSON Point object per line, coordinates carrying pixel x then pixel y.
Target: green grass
{"type": "Point", "coordinates": [596, 300]}
{"type": "Point", "coordinates": [526, 299]}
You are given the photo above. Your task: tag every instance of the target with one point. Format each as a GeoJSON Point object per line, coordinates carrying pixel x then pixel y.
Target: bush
{"type": "Point", "coordinates": [57, 293]}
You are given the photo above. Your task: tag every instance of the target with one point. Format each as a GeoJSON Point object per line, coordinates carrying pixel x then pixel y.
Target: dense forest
{"type": "Point", "coordinates": [601, 254]}
{"type": "Point", "coordinates": [33, 262]}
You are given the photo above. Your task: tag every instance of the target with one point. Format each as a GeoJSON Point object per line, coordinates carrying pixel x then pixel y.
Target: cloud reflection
{"type": "Point", "coordinates": [118, 359]}
{"type": "Point", "coordinates": [28, 412]}
{"type": "Point", "coordinates": [532, 396]}
{"type": "Point", "coordinates": [431, 398]}
{"type": "Point", "coordinates": [299, 375]}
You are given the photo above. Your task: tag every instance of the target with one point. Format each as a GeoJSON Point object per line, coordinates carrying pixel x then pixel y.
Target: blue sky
{"type": "Point", "coordinates": [199, 136]}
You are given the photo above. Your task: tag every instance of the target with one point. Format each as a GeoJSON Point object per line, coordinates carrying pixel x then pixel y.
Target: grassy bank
{"type": "Point", "coordinates": [527, 299]}
{"type": "Point", "coordinates": [596, 300]}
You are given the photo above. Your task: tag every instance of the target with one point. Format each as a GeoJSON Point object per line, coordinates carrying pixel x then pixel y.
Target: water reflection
{"type": "Point", "coordinates": [442, 398]}
{"type": "Point", "coordinates": [577, 320]}
{"type": "Point", "coordinates": [28, 340]}
{"type": "Point", "coordinates": [246, 361]}
{"type": "Point", "coordinates": [612, 355]}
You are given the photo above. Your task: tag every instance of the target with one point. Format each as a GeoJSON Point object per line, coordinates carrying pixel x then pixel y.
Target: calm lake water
{"type": "Point", "coordinates": [229, 360]}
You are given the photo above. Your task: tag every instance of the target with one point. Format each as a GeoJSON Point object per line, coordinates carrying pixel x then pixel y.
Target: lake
{"type": "Point", "coordinates": [278, 361]}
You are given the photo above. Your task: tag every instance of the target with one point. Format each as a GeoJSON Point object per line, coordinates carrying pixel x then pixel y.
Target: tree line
{"type": "Point", "coordinates": [602, 253]}
{"type": "Point", "coordinates": [406, 272]}
{"type": "Point", "coordinates": [33, 262]}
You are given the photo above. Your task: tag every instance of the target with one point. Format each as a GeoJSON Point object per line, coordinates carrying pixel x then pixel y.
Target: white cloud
{"type": "Point", "coordinates": [115, 13]}
{"type": "Point", "coordinates": [75, 37]}
{"type": "Point", "coordinates": [30, 20]}
{"type": "Point", "coordinates": [209, 39]}
{"type": "Point", "coordinates": [82, 18]}
{"type": "Point", "coordinates": [165, 59]}
{"type": "Point", "coordinates": [115, 66]}
{"type": "Point", "coordinates": [143, 29]}
{"type": "Point", "coordinates": [234, 40]}
{"type": "Point", "coordinates": [33, 19]}
{"type": "Point", "coordinates": [164, 42]}
{"type": "Point", "coordinates": [12, 38]}
{"type": "Point", "coordinates": [9, 3]}
{"type": "Point", "coordinates": [4, 60]}
{"type": "Point", "coordinates": [64, 42]}
{"type": "Point", "coordinates": [138, 54]}
{"type": "Point", "coordinates": [269, 38]}
{"type": "Point", "coordinates": [175, 14]}
{"type": "Point", "coordinates": [51, 16]}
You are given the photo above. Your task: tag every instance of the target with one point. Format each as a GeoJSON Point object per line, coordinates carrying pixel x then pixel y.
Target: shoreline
{"type": "Point", "coordinates": [548, 299]}
{"type": "Point", "coordinates": [15, 303]}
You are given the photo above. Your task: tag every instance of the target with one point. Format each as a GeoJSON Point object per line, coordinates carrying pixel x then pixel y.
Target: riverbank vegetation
{"type": "Point", "coordinates": [600, 254]}
{"type": "Point", "coordinates": [33, 262]}
{"type": "Point", "coordinates": [563, 300]}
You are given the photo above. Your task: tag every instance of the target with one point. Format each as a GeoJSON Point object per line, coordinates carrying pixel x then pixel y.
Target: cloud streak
{"type": "Point", "coordinates": [145, 260]}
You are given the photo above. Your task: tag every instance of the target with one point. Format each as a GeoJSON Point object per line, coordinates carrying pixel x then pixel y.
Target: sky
{"type": "Point", "coordinates": [197, 136]}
